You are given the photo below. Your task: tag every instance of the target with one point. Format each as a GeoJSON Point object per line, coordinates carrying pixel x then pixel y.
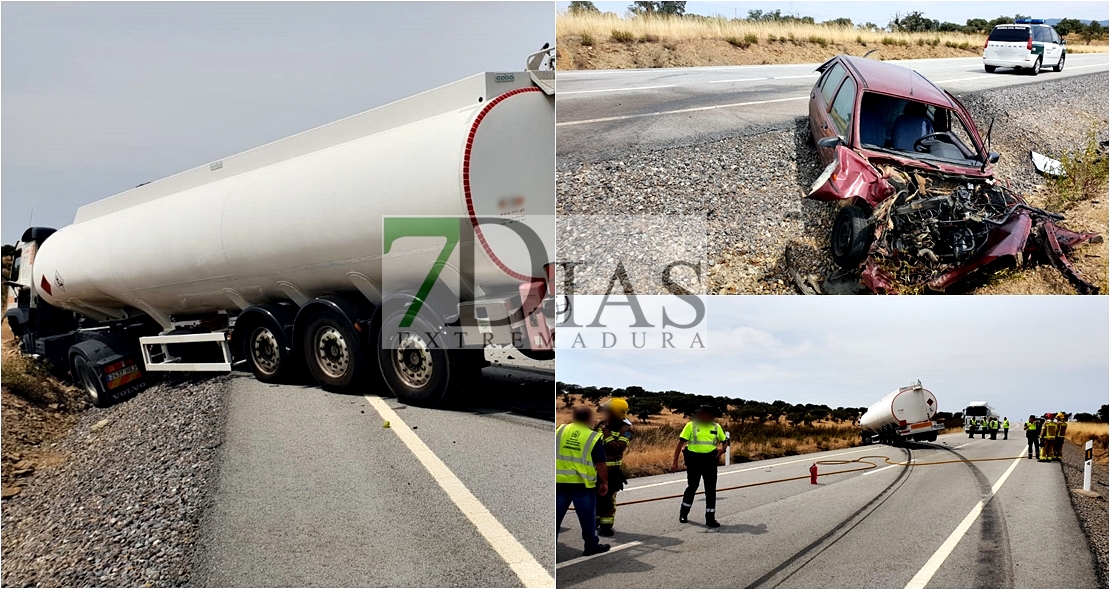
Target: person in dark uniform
{"type": "Point", "coordinates": [701, 445]}
{"type": "Point", "coordinates": [1033, 436]}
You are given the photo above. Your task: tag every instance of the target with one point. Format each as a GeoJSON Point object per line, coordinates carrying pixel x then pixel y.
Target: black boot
{"type": "Point", "coordinates": [711, 521]}
{"type": "Point", "coordinates": [683, 513]}
{"type": "Point", "coordinates": [605, 530]}
{"type": "Point", "coordinates": [601, 548]}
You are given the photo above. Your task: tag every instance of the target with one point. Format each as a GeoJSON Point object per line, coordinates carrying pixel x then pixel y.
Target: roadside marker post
{"type": "Point", "coordinates": [728, 449]}
{"type": "Point", "coordinates": [1087, 452]}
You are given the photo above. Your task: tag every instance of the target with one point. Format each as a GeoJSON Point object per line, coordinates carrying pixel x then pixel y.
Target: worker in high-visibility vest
{"type": "Point", "coordinates": [983, 427]}
{"type": "Point", "coordinates": [1032, 436]}
{"type": "Point", "coordinates": [1048, 440]}
{"type": "Point", "coordinates": [1005, 428]}
{"type": "Point", "coordinates": [1061, 430]}
{"type": "Point", "coordinates": [993, 427]}
{"type": "Point", "coordinates": [616, 432]}
{"type": "Point", "coordinates": [971, 426]}
{"type": "Point", "coordinates": [580, 475]}
{"type": "Point", "coordinates": [701, 444]}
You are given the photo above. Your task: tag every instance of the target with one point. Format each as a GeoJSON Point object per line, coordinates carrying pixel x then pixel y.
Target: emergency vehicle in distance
{"type": "Point", "coordinates": [976, 411]}
{"type": "Point", "coordinates": [902, 415]}
{"type": "Point", "coordinates": [275, 257]}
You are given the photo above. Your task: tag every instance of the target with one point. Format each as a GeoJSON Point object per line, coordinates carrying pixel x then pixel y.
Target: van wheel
{"type": "Point", "coordinates": [1036, 67]}
{"type": "Point", "coordinates": [990, 69]}
{"type": "Point", "coordinates": [851, 236]}
{"type": "Point", "coordinates": [333, 351]}
{"type": "Point", "coordinates": [88, 379]}
{"type": "Point", "coordinates": [417, 370]}
{"type": "Point", "coordinates": [1060, 66]}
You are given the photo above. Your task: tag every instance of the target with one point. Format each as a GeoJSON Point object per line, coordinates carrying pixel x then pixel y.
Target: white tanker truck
{"type": "Point", "coordinates": [306, 254]}
{"type": "Point", "coordinates": [904, 414]}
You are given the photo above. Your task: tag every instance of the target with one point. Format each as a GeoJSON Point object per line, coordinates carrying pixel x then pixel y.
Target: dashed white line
{"type": "Point", "coordinates": [737, 80]}
{"type": "Point", "coordinates": [922, 578]}
{"type": "Point", "coordinates": [519, 559]}
{"type": "Point", "coordinates": [589, 557]}
{"type": "Point", "coordinates": [869, 472]}
{"type": "Point", "coordinates": [630, 89]}
{"type": "Point", "coordinates": [679, 111]}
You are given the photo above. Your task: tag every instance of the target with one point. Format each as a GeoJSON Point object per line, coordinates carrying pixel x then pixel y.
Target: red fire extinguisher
{"type": "Point", "coordinates": [813, 473]}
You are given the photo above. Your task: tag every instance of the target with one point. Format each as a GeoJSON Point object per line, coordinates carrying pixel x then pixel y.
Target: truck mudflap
{"type": "Point", "coordinates": [535, 303]}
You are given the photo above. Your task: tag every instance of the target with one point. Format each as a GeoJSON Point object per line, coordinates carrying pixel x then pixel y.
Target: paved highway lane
{"type": "Point", "coordinates": [604, 112]}
{"type": "Point", "coordinates": [313, 491]}
{"type": "Point", "coordinates": [889, 527]}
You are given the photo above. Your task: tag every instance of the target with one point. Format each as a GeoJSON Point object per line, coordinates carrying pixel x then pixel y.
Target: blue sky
{"type": "Point", "coordinates": [881, 12]}
{"type": "Point", "coordinates": [100, 97]}
{"type": "Point", "coordinates": [1022, 354]}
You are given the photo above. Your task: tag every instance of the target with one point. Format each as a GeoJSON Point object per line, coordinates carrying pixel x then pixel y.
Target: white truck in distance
{"type": "Point", "coordinates": [976, 411]}
{"type": "Point", "coordinates": [274, 257]}
{"type": "Point", "coordinates": [904, 414]}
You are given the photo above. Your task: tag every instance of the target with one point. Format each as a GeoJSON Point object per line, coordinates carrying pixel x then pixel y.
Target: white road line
{"type": "Point", "coordinates": [967, 78]}
{"type": "Point", "coordinates": [961, 446]}
{"type": "Point", "coordinates": [813, 75]}
{"type": "Point", "coordinates": [589, 557]}
{"type": "Point", "coordinates": [632, 89]}
{"type": "Point", "coordinates": [737, 80]}
{"type": "Point", "coordinates": [522, 562]}
{"type": "Point", "coordinates": [679, 111]}
{"type": "Point", "coordinates": [869, 472]}
{"type": "Point", "coordinates": [930, 568]}
{"type": "Point", "coordinates": [757, 467]}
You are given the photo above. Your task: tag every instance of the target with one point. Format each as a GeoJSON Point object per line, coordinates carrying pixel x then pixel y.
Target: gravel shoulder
{"type": "Point", "coordinates": [122, 504]}
{"type": "Point", "coordinates": [749, 188]}
{"type": "Point", "coordinates": [1092, 512]}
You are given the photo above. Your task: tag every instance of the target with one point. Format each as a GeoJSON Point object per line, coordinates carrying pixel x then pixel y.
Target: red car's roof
{"type": "Point", "coordinates": [895, 80]}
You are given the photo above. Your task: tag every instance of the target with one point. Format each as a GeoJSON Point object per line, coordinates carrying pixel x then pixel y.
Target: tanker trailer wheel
{"type": "Point", "coordinates": [88, 379]}
{"type": "Point", "coordinates": [268, 357]}
{"type": "Point", "coordinates": [418, 371]}
{"type": "Point", "coordinates": [333, 351]}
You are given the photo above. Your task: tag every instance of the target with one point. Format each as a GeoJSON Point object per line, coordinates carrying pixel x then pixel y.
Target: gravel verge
{"type": "Point", "coordinates": [122, 507]}
{"type": "Point", "coordinates": [749, 187]}
{"type": "Point", "coordinates": [1092, 512]}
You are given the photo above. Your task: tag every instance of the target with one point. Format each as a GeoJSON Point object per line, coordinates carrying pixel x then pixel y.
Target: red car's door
{"type": "Point", "coordinates": [820, 97]}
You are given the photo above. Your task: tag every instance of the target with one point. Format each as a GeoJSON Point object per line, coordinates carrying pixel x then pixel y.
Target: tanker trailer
{"type": "Point", "coordinates": [434, 214]}
{"type": "Point", "coordinates": [904, 414]}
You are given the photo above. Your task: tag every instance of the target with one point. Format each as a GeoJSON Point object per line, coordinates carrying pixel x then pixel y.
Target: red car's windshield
{"type": "Point", "coordinates": [916, 130]}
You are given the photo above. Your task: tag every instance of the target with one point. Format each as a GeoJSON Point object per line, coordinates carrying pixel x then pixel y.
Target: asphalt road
{"type": "Point", "coordinates": [605, 112]}
{"type": "Point", "coordinates": [313, 490]}
{"type": "Point", "coordinates": [889, 527]}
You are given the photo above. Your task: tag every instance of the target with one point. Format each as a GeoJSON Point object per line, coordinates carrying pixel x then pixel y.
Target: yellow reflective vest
{"type": "Point", "coordinates": [702, 438]}
{"type": "Point", "coordinates": [574, 443]}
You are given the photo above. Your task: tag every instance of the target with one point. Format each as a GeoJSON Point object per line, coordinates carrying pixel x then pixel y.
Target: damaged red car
{"type": "Point", "coordinates": [919, 205]}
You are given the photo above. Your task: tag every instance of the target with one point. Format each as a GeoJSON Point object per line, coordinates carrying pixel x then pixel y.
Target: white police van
{"type": "Point", "coordinates": [1028, 44]}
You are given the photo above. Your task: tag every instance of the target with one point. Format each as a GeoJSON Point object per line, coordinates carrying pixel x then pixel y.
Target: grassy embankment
{"type": "Point", "coordinates": [1099, 432]}
{"type": "Point", "coordinates": [606, 41]}
{"type": "Point", "coordinates": [653, 442]}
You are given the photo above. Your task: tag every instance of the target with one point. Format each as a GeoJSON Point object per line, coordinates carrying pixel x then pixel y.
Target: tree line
{"type": "Point", "coordinates": [910, 22]}
{"type": "Point", "coordinates": [643, 405]}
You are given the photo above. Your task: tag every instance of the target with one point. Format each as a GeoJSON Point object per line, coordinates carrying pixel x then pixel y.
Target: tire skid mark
{"type": "Point", "coordinates": [835, 534]}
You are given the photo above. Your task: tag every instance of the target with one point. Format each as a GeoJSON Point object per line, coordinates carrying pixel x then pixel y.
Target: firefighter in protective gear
{"type": "Point", "coordinates": [1048, 440]}
{"type": "Point", "coordinates": [1061, 429]}
{"type": "Point", "coordinates": [616, 432]}
{"type": "Point", "coordinates": [701, 446]}
{"type": "Point", "coordinates": [993, 427]}
{"type": "Point", "coordinates": [1032, 434]}
{"type": "Point", "coordinates": [579, 469]}
{"type": "Point", "coordinates": [1005, 428]}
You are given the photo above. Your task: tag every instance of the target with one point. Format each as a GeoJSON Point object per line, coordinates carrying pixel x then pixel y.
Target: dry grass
{"type": "Point", "coordinates": [1081, 432]}
{"type": "Point", "coordinates": [602, 41]}
{"type": "Point", "coordinates": [653, 442]}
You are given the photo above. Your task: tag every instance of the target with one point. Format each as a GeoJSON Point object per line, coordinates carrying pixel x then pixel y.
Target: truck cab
{"type": "Point", "coordinates": [41, 328]}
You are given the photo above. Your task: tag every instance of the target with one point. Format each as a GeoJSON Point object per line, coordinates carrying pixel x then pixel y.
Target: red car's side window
{"type": "Point", "coordinates": [831, 82]}
{"type": "Point", "coordinates": [842, 108]}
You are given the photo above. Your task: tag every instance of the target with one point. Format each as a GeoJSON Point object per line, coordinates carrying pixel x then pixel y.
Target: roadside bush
{"type": "Point", "coordinates": [889, 41]}
{"type": "Point", "coordinates": [819, 40]}
{"type": "Point", "coordinates": [859, 39]}
{"type": "Point", "coordinates": [920, 42]}
{"type": "Point", "coordinates": [965, 45]}
{"type": "Point", "coordinates": [33, 381]}
{"type": "Point", "coordinates": [738, 42]}
{"type": "Point", "coordinates": [1085, 174]}
{"type": "Point", "coordinates": [649, 38]}
{"type": "Point", "coordinates": [951, 44]}
{"type": "Point", "coordinates": [623, 36]}
{"type": "Point", "coordinates": [935, 42]}
{"type": "Point", "coordinates": [587, 40]}
{"type": "Point", "coordinates": [772, 38]}
{"type": "Point", "coordinates": [751, 38]}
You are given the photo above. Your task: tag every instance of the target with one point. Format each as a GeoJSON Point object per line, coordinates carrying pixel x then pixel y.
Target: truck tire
{"type": "Point", "coordinates": [269, 359]}
{"type": "Point", "coordinates": [851, 236]}
{"type": "Point", "coordinates": [87, 378]}
{"type": "Point", "coordinates": [417, 372]}
{"type": "Point", "coordinates": [333, 351]}
{"type": "Point", "coordinates": [989, 69]}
